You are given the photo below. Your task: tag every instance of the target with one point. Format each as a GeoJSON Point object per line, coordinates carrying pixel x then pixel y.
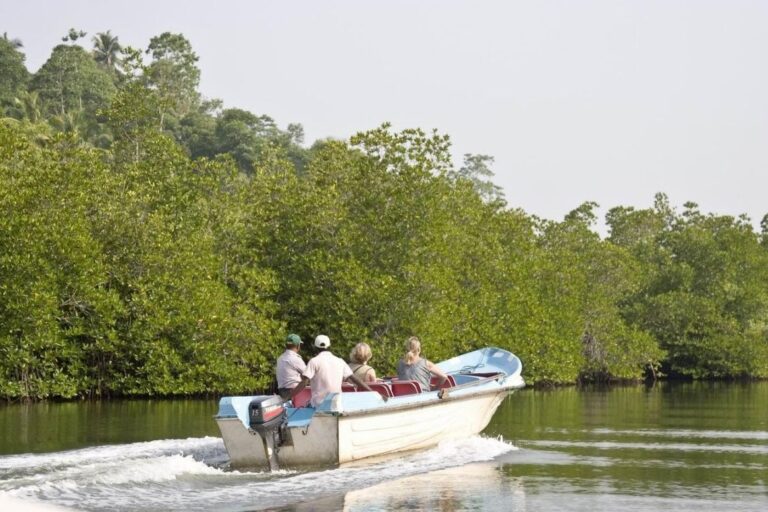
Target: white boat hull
{"type": "Point", "coordinates": [351, 426]}
{"type": "Point", "coordinates": [338, 438]}
{"type": "Point", "coordinates": [412, 428]}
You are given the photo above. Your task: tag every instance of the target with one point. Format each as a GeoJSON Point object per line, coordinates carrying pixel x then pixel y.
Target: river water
{"type": "Point", "coordinates": [674, 446]}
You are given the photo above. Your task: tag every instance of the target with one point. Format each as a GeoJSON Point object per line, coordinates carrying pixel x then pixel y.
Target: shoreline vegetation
{"type": "Point", "coordinates": [155, 243]}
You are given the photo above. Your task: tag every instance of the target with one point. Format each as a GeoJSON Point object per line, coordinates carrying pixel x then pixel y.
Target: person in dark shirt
{"type": "Point", "coordinates": [414, 367]}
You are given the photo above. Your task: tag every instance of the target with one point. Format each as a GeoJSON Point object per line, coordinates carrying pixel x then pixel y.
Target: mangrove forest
{"type": "Point", "coordinates": [154, 242]}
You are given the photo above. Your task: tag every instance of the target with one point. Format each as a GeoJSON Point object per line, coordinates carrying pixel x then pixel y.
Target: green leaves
{"type": "Point", "coordinates": [13, 72]}
{"type": "Point", "coordinates": [70, 80]}
{"type": "Point", "coordinates": [173, 73]}
{"type": "Point", "coordinates": [111, 279]}
{"type": "Point", "coordinates": [174, 259]}
{"type": "Point", "coordinates": [704, 296]}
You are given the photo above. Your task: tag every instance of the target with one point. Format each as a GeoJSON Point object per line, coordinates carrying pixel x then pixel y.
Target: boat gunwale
{"type": "Point", "coordinates": [411, 405]}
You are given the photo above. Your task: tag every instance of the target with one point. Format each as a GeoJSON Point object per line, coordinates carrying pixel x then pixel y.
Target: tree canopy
{"type": "Point", "coordinates": [154, 242]}
{"type": "Point", "coordinates": [14, 75]}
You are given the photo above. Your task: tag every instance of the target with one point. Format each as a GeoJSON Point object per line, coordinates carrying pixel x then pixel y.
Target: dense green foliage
{"type": "Point", "coordinates": [155, 243]}
{"type": "Point", "coordinates": [14, 74]}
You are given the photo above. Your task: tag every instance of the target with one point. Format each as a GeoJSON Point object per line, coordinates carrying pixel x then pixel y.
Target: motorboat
{"type": "Point", "coordinates": [397, 416]}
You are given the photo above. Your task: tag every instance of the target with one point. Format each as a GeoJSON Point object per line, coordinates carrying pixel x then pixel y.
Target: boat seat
{"type": "Point", "coordinates": [449, 382]}
{"type": "Point", "coordinates": [303, 398]}
{"type": "Point", "coordinates": [405, 387]}
{"type": "Point", "coordinates": [348, 388]}
{"type": "Point", "coordinates": [381, 389]}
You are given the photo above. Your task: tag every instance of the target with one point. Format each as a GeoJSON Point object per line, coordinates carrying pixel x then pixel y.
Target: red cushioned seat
{"type": "Point", "coordinates": [449, 382]}
{"type": "Point", "coordinates": [381, 388]}
{"type": "Point", "coordinates": [405, 387]}
{"type": "Point", "coordinates": [303, 398]}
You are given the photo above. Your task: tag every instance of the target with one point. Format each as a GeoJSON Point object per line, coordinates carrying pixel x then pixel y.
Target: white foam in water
{"type": "Point", "coordinates": [173, 475]}
{"type": "Point", "coordinates": [201, 446]}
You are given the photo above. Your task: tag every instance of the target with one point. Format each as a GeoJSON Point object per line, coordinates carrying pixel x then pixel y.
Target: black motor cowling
{"type": "Point", "coordinates": [266, 412]}
{"type": "Point", "coordinates": [267, 418]}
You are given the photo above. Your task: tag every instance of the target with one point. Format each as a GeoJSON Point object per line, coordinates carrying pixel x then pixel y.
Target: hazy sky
{"type": "Point", "coordinates": [609, 101]}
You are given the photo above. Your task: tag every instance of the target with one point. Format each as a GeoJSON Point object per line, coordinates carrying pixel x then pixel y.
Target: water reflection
{"type": "Point", "coordinates": [55, 426]}
{"type": "Point", "coordinates": [479, 486]}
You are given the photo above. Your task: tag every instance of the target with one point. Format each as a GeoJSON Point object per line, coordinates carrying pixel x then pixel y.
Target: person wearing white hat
{"type": "Point", "coordinates": [325, 373]}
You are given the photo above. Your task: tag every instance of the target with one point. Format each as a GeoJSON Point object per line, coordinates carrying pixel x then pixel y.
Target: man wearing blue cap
{"type": "Point", "coordinates": [290, 367]}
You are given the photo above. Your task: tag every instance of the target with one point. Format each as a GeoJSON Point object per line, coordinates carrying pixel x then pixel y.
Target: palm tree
{"type": "Point", "coordinates": [106, 49]}
{"type": "Point", "coordinates": [72, 121]}
{"type": "Point", "coordinates": [28, 106]}
{"type": "Point", "coordinates": [15, 42]}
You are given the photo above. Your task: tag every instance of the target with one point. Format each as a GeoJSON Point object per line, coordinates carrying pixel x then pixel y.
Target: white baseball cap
{"type": "Point", "coordinates": [322, 341]}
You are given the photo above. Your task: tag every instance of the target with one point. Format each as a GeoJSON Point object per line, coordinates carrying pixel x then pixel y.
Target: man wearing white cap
{"type": "Point", "coordinates": [325, 372]}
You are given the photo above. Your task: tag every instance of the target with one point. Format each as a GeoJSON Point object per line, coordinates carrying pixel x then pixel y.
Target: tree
{"type": "Point", "coordinates": [70, 80]}
{"type": "Point", "coordinates": [174, 74]}
{"type": "Point", "coordinates": [244, 135]}
{"type": "Point", "coordinates": [373, 242]}
{"type": "Point", "coordinates": [107, 50]}
{"type": "Point", "coordinates": [184, 326]}
{"type": "Point", "coordinates": [130, 65]}
{"type": "Point", "coordinates": [27, 107]}
{"type": "Point", "coordinates": [703, 295]}
{"type": "Point", "coordinates": [15, 42]}
{"type": "Point", "coordinates": [13, 73]}
{"type": "Point", "coordinates": [124, 275]}
{"type": "Point", "coordinates": [236, 132]}
{"type": "Point", "coordinates": [57, 316]}
{"type": "Point", "coordinates": [73, 35]}
{"type": "Point", "coordinates": [197, 133]}
{"type": "Point", "coordinates": [477, 170]}
{"type": "Point", "coordinates": [132, 116]}
{"type": "Point", "coordinates": [296, 133]}
{"type": "Point", "coordinates": [581, 281]}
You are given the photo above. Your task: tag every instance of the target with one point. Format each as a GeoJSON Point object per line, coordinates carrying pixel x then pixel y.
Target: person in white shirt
{"type": "Point", "coordinates": [290, 366]}
{"type": "Point", "coordinates": [325, 372]}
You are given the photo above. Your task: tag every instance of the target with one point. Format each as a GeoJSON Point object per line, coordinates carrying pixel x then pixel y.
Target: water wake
{"type": "Point", "coordinates": [187, 474]}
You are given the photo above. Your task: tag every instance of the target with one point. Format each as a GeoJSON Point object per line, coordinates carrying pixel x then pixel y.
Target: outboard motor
{"type": "Point", "coordinates": [267, 415]}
